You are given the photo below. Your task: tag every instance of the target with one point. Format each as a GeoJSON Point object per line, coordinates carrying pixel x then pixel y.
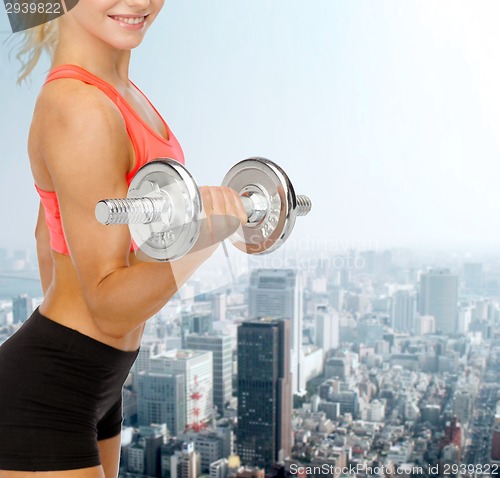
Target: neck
{"type": "Point", "coordinates": [92, 54]}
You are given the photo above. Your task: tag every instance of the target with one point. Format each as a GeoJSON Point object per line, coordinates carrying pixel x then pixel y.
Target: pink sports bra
{"type": "Point", "coordinates": [147, 143]}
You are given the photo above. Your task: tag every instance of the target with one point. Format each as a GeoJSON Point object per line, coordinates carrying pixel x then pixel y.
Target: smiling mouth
{"type": "Point", "coordinates": [129, 20]}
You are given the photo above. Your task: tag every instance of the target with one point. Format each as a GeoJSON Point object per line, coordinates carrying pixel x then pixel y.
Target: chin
{"type": "Point", "coordinates": [126, 44]}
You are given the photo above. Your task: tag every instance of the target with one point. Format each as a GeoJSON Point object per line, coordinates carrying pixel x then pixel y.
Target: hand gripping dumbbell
{"type": "Point", "coordinates": [163, 207]}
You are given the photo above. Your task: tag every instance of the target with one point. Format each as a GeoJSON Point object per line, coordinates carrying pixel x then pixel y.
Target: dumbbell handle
{"type": "Point", "coordinates": [146, 210]}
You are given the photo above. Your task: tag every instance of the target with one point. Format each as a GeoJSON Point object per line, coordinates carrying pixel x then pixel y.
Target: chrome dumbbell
{"type": "Point", "coordinates": [163, 207]}
{"type": "Point", "coordinates": [270, 203]}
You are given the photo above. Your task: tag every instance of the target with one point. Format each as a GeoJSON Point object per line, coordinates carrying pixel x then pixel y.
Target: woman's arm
{"type": "Point", "coordinates": [86, 149]}
{"type": "Point", "coordinates": [43, 251]}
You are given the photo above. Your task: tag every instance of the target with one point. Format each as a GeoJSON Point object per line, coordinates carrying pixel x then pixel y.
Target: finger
{"type": "Point", "coordinates": [221, 221]}
{"type": "Point", "coordinates": [242, 214]}
{"type": "Point", "coordinates": [237, 207]}
{"type": "Point", "coordinates": [231, 213]}
{"type": "Point", "coordinates": [206, 200]}
{"type": "Point", "coordinates": [219, 201]}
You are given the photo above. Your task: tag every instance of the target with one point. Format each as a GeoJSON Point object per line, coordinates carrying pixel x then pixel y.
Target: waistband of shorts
{"type": "Point", "coordinates": [72, 340]}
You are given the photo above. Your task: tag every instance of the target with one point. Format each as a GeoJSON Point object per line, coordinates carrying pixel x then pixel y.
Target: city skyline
{"type": "Point", "coordinates": [383, 387]}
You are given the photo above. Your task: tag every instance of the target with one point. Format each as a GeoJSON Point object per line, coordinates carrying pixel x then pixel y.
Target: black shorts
{"type": "Point", "coordinates": [60, 392]}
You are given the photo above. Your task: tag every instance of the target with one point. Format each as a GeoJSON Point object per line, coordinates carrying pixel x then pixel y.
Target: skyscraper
{"type": "Point", "coordinates": [264, 392]}
{"type": "Point", "coordinates": [277, 293]}
{"type": "Point", "coordinates": [21, 308]}
{"type": "Point", "coordinates": [337, 298]}
{"type": "Point", "coordinates": [403, 311]}
{"type": "Point", "coordinates": [220, 346]}
{"type": "Point", "coordinates": [439, 298]}
{"type": "Point", "coordinates": [196, 366]}
{"type": "Point", "coordinates": [162, 399]}
{"type": "Point", "coordinates": [219, 306]}
{"type": "Point", "coordinates": [327, 328]}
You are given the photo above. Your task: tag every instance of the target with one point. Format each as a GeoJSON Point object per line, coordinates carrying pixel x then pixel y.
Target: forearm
{"type": "Point", "coordinates": [129, 296]}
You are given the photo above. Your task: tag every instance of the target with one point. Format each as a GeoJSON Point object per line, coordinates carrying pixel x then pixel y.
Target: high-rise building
{"type": "Point", "coordinates": [403, 311]}
{"type": "Point", "coordinates": [479, 312]}
{"type": "Point", "coordinates": [337, 298]}
{"type": "Point", "coordinates": [21, 308]}
{"type": "Point", "coordinates": [462, 405]}
{"type": "Point", "coordinates": [219, 306]}
{"type": "Point", "coordinates": [327, 330]}
{"type": "Point", "coordinates": [196, 366]}
{"type": "Point", "coordinates": [264, 393]}
{"type": "Point", "coordinates": [464, 319]}
{"type": "Point", "coordinates": [220, 346]}
{"type": "Point", "coordinates": [162, 399]}
{"type": "Point", "coordinates": [439, 298]}
{"type": "Point", "coordinates": [277, 293]}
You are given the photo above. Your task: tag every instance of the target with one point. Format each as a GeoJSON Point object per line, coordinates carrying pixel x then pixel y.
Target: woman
{"type": "Point", "coordinates": [62, 372]}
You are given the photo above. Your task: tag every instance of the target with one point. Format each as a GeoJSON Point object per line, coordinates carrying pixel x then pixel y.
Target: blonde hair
{"type": "Point", "coordinates": [35, 41]}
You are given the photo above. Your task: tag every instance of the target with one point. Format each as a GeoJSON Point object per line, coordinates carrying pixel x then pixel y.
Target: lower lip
{"type": "Point", "coordinates": [128, 26]}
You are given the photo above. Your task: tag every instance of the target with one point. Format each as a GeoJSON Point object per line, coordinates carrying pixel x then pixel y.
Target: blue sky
{"type": "Point", "coordinates": [386, 113]}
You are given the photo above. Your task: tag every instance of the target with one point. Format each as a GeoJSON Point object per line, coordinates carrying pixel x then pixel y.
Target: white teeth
{"type": "Point", "coordinates": [130, 21]}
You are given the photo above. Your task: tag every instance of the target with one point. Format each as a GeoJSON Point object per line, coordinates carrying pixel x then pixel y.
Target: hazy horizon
{"type": "Point", "coordinates": [384, 113]}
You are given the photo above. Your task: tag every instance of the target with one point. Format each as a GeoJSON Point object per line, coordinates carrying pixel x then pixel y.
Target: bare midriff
{"type": "Point", "coordinates": [65, 304]}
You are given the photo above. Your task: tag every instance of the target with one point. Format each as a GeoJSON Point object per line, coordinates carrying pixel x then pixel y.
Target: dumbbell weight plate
{"type": "Point", "coordinates": [262, 176]}
{"type": "Point", "coordinates": [167, 177]}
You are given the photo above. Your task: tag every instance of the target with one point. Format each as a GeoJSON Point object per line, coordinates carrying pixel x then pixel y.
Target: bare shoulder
{"type": "Point", "coordinates": [70, 114]}
{"type": "Point", "coordinates": [69, 102]}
